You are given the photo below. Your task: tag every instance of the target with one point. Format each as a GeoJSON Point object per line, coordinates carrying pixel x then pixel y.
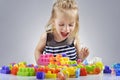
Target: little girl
{"type": "Point", "coordinates": [61, 34]}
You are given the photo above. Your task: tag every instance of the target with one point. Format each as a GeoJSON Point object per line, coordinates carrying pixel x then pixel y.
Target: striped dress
{"type": "Point", "coordinates": [66, 46]}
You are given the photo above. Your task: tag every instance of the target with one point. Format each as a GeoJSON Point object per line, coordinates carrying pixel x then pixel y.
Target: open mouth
{"type": "Point", "coordinates": [64, 34]}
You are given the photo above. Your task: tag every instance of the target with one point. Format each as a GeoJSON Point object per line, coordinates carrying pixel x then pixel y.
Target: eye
{"type": "Point", "coordinates": [71, 25]}
{"type": "Point", "coordinates": [61, 24]}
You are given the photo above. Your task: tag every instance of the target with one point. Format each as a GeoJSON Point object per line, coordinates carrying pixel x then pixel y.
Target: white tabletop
{"type": "Point", "coordinates": [88, 77]}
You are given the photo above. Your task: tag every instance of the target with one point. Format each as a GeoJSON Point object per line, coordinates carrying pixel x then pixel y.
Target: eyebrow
{"type": "Point", "coordinates": [61, 22]}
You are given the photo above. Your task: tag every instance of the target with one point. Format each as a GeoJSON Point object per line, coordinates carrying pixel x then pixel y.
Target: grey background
{"type": "Point", "coordinates": [23, 21]}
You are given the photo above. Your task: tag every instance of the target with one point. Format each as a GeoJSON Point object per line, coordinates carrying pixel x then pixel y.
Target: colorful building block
{"type": "Point", "coordinates": [5, 70]}
{"type": "Point", "coordinates": [26, 72]}
{"type": "Point", "coordinates": [50, 75]}
{"type": "Point", "coordinates": [44, 59]}
{"type": "Point", "coordinates": [77, 73]}
{"type": "Point", "coordinates": [40, 75]}
{"type": "Point", "coordinates": [97, 70]}
{"type": "Point", "coordinates": [117, 69]}
{"type": "Point", "coordinates": [107, 70]}
{"type": "Point", "coordinates": [14, 70]}
{"type": "Point", "coordinates": [83, 72]}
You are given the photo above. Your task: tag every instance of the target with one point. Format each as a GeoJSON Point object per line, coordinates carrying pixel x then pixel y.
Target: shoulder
{"type": "Point", "coordinates": [43, 36]}
{"type": "Point", "coordinates": [46, 36]}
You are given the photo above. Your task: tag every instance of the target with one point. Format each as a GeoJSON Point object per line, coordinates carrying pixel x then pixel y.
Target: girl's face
{"type": "Point", "coordinates": [64, 26]}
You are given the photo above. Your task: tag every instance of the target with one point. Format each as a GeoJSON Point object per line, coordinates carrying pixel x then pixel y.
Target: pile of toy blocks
{"type": "Point", "coordinates": [50, 66]}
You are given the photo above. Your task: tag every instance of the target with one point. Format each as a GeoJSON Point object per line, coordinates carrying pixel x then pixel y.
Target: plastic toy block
{"type": "Point", "coordinates": [26, 72]}
{"type": "Point", "coordinates": [80, 66]}
{"type": "Point", "coordinates": [44, 59]}
{"type": "Point", "coordinates": [117, 69]}
{"type": "Point", "coordinates": [107, 70]}
{"type": "Point", "coordinates": [97, 70]}
{"type": "Point", "coordinates": [52, 66]}
{"type": "Point", "coordinates": [64, 55]}
{"type": "Point", "coordinates": [72, 62]}
{"type": "Point", "coordinates": [49, 55]}
{"type": "Point", "coordinates": [116, 66]}
{"type": "Point", "coordinates": [62, 62]}
{"type": "Point", "coordinates": [79, 61]}
{"type": "Point", "coordinates": [71, 71]}
{"type": "Point", "coordinates": [5, 70]}
{"type": "Point", "coordinates": [57, 70]}
{"type": "Point", "coordinates": [90, 69]}
{"type": "Point", "coordinates": [10, 66]}
{"type": "Point", "coordinates": [41, 69]}
{"type": "Point", "coordinates": [52, 59]}
{"type": "Point", "coordinates": [50, 75]}
{"type": "Point", "coordinates": [30, 65]}
{"type": "Point", "coordinates": [16, 65]}
{"type": "Point", "coordinates": [85, 62]}
{"type": "Point", "coordinates": [22, 63]}
{"type": "Point", "coordinates": [100, 65]}
{"type": "Point", "coordinates": [83, 72]}
{"type": "Point", "coordinates": [58, 56]}
{"type": "Point", "coordinates": [66, 58]}
{"type": "Point", "coordinates": [77, 73]}
{"type": "Point", "coordinates": [40, 75]}
{"type": "Point", "coordinates": [52, 70]}
{"type": "Point", "coordinates": [14, 70]}
{"type": "Point", "coordinates": [36, 66]}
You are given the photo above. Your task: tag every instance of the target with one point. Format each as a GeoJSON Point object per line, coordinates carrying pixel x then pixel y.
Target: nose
{"type": "Point", "coordinates": [67, 29]}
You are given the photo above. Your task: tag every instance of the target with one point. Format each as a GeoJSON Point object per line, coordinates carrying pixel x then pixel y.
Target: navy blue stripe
{"type": "Point", "coordinates": [74, 59]}
{"type": "Point", "coordinates": [63, 47]}
{"type": "Point", "coordinates": [71, 53]}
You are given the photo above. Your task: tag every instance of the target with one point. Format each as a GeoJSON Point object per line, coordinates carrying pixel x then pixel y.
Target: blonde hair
{"type": "Point", "coordinates": [63, 6]}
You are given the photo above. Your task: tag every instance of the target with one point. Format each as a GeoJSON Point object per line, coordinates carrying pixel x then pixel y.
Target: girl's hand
{"type": "Point", "coordinates": [84, 52]}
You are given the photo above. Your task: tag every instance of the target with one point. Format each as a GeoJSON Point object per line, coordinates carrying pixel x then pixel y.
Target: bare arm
{"type": "Point", "coordinates": [77, 46]}
{"type": "Point", "coordinates": [40, 46]}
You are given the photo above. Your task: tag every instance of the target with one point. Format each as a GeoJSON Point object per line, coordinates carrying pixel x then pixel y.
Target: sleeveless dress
{"type": "Point", "coordinates": [66, 46]}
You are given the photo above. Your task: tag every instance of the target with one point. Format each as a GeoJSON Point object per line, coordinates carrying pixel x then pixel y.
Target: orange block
{"type": "Point", "coordinates": [14, 70]}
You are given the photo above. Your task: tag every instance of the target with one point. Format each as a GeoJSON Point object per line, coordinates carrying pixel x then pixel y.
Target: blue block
{"type": "Point", "coordinates": [40, 75]}
{"type": "Point", "coordinates": [107, 70]}
{"type": "Point", "coordinates": [117, 74]}
{"type": "Point", "coordinates": [64, 55]}
{"type": "Point", "coordinates": [5, 70]}
{"type": "Point", "coordinates": [117, 71]}
{"type": "Point", "coordinates": [77, 73]}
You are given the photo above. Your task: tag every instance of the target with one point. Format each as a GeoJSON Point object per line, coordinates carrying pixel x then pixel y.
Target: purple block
{"type": "Point", "coordinates": [107, 70]}
{"type": "Point", "coordinates": [40, 75]}
{"type": "Point", "coordinates": [64, 55]}
{"type": "Point", "coordinates": [5, 70]}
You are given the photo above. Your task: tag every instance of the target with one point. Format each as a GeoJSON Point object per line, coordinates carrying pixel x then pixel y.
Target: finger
{"type": "Point", "coordinates": [82, 49]}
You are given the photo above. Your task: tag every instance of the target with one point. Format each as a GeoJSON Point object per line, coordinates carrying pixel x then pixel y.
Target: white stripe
{"type": "Point", "coordinates": [60, 49]}
{"type": "Point", "coordinates": [71, 54]}
{"type": "Point", "coordinates": [70, 51]}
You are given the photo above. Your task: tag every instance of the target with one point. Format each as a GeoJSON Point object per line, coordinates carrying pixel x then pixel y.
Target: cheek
{"type": "Point", "coordinates": [72, 29]}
